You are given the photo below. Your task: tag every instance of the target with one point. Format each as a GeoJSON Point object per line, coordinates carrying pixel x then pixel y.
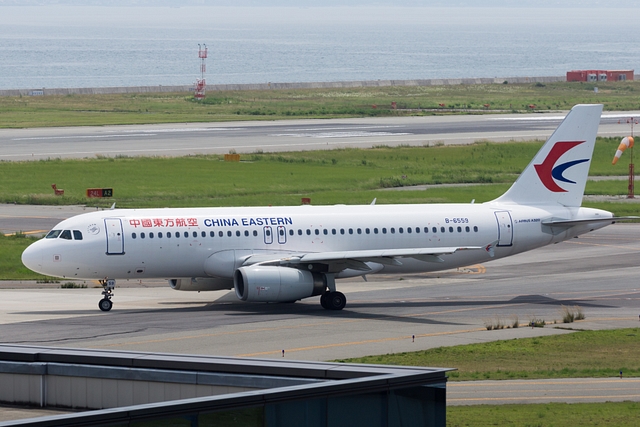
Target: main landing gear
{"type": "Point", "coordinates": [332, 299]}
{"type": "Point", "coordinates": [105, 303]}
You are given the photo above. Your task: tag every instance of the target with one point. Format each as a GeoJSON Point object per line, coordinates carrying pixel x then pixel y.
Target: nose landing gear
{"type": "Point", "coordinates": [105, 303]}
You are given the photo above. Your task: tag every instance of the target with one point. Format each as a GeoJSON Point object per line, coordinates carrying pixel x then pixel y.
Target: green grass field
{"type": "Point", "coordinates": [624, 414]}
{"type": "Point", "coordinates": [82, 110]}
{"type": "Point", "coordinates": [583, 354]}
{"type": "Point", "coordinates": [352, 176]}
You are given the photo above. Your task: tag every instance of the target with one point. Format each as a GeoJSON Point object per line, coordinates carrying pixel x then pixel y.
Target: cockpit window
{"type": "Point", "coordinates": [53, 234]}
{"type": "Point", "coordinates": [66, 234]}
{"type": "Point", "coordinates": [77, 235]}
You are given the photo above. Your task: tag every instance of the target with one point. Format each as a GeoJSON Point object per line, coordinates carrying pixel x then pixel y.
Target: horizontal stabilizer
{"type": "Point", "coordinates": [572, 222]}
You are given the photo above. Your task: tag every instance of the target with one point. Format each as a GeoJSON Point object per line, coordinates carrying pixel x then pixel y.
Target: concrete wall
{"type": "Point", "coordinates": [267, 86]}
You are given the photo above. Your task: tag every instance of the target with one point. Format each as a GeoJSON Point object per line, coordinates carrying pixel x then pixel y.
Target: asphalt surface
{"type": "Point", "coordinates": [597, 272]}
{"type": "Point", "coordinates": [288, 135]}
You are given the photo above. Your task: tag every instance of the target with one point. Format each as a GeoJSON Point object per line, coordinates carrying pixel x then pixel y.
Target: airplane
{"type": "Point", "coordinates": [285, 254]}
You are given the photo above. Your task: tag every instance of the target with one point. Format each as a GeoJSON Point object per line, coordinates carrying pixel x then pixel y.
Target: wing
{"type": "Point", "coordinates": [337, 261]}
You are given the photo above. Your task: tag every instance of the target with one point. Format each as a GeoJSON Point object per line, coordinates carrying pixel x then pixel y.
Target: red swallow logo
{"type": "Point", "coordinates": [549, 173]}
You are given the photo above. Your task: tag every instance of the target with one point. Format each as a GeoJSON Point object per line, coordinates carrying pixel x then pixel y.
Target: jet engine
{"type": "Point", "coordinates": [276, 284]}
{"type": "Point", "coordinates": [201, 284]}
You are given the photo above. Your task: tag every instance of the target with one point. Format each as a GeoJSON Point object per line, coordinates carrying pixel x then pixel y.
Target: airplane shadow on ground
{"type": "Point", "coordinates": [205, 315]}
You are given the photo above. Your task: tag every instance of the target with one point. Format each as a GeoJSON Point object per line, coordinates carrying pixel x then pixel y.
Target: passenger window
{"type": "Point", "coordinates": [393, 230]}
{"type": "Point", "coordinates": [351, 231]}
{"type": "Point", "coordinates": [417, 229]}
{"type": "Point", "coordinates": [203, 234]}
{"type": "Point", "coordinates": [308, 232]}
{"type": "Point", "coordinates": [317, 231]}
{"type": "Point", "coordinates": [435, 230]}
{"type": "Point", "coordinates": [475, 228]}
{"type": "Point", "coordinates": [459, 229]}
{"type": "Point", "coordinates": [299, 232]}
{"type": "Point", "coordinates": [366, 230]}
{"type": "Point", "coordinates": [375, 230]}
{"type": "Point", "coordinates": [66, 234]}
{"type": "Point", "coordinates": [159, 234]}
{"type": "Point", "coordinates": [442, 229]}
{"type": "Point", "coordinates": [333, 231]}
{"type": "Point", "coordinates": [255, 233]}
{"type": "Point", "coordinates": [168, 234]}
{"type": "Point", "coordinates": [53, 234]}
{"type": "Point", "coordinates": [325, 231]}
{"type": "Point", "coordinates": [400, 230]}
{"type": "Point", "coordinates": [246, 233]}
{"type": "Point", "coordinates": [450, 229]}
{"type": "Point", "coordinates": [467, 229]}
{"type": "Point", "coordinates": [229, 234]}
{"type": "Point", "coordinates": [359, 230]}
{"type": "Point", "coordinates": [77, 235]}
{"type": "Point", "coordinates": [133, 235]}
{"type": "Point", "coordinates": [186, 234]}
{"type": "Point", "coordinates": [151, 235]}
{"type": "Point", "coordinates": [212, 233]}
{"type": "Point", "coordinates": [342, 231]}
{"type": "Point", "coordinates": [220, 234]}
{"type": "Point", "coordinates": [408, 229]}
{"type": "Point", "coordinates": [237, 233]}
{"type": "Point", "coordinates": [142, 235]}
{"type": "Point", "coordinates": [291, 233]}
{"type": "Point", "coordinates": [384, 230]}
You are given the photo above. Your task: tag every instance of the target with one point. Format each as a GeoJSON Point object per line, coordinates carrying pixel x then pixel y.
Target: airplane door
{"type": "Point", "coordinates": [115, 236]}
{"type": "Point", "coordinates": [505, 228]}
{"type": "Point", "coordinates": [282, 235]}
{"type": "Point", "coordinates": [268, 235]}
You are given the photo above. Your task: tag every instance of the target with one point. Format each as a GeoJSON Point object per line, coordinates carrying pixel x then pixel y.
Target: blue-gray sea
{"type": "Point", "coordinates": [64, 46]}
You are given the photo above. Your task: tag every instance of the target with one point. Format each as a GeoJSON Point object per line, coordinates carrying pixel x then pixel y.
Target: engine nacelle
{"type": "Point", "coordinates": [201, 284]}
{"type": "Point", "coordinates": [276, 284]}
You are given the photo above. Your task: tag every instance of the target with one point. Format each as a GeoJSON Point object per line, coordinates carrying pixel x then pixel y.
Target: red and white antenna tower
{"type": "Point", "coordinates": [201, 84]}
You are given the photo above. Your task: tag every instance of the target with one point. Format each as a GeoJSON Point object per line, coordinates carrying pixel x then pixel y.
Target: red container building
{"type": "Point", "coordinates": [599, 75]}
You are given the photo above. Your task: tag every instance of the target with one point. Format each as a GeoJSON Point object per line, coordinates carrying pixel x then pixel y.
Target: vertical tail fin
{"type": "Point", "coordinates": [558, 173]}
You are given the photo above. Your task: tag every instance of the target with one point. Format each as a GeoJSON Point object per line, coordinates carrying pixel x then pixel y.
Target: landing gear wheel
{"type": "Point", "coordinates": [336, 301]}
{"type": "Point", "coordinates": [105, 304]}
{"type": "Point", "coordinates": [324, 300]}
{"type": "Point", "coordinates": [108, 285]}
{"type": "Point", "coordinates": [333, 300]}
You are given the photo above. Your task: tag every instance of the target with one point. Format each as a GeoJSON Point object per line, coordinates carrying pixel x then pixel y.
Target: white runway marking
{"type": "Point", "coordinates": [339, 134]}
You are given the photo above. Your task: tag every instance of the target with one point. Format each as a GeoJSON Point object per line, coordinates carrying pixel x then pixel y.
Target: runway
{"type": "Point", "coordinates": [288, 135]}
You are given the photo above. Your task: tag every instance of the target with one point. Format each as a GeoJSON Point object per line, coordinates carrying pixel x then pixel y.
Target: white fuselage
{"type": "Point", "coordinates": [180, 243]}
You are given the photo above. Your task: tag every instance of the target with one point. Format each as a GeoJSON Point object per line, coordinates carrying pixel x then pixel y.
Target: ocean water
{"type": "Point", "coordinates": [64, 46]}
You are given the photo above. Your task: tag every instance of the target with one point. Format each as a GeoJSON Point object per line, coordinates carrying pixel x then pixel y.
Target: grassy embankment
{"type": "Point", "coordinates": [610, 414]}
{"type": "Point", "coordinates": [584, 354]}
{"type": "Point", "coordinates": [82, 110]}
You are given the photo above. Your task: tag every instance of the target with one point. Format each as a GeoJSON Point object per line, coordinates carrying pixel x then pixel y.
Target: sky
{"type": "Point", "coordinates": [331, 3]}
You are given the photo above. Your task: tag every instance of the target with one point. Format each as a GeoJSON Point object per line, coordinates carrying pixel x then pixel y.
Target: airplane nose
{"type": "Point", "coordinates": [32, 258]}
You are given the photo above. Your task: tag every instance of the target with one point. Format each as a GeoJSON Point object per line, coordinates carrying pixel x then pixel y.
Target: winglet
{"type": "Point", "coordinates": [490, 248]}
